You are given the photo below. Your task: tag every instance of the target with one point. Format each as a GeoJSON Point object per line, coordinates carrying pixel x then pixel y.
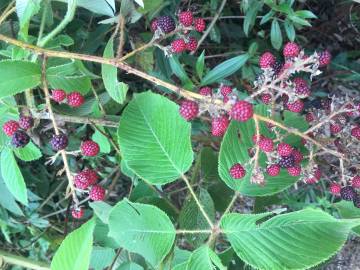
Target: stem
{"type": "Point", "coordinates": [121, 36]}
{"type": "Point", "coordinates": [9, 258]}
{"type": "Point", "coordinates": [71, 8]}
{"type": "Point", "coordinates": [43, 21]}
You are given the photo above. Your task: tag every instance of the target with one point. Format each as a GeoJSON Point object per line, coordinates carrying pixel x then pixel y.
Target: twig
{"type": "Point", "coordinates": [57, 132]}
{"type": "Point", "coordinates": [7, 12]}
{"type": "Point", "coordinates": [121, 36]}
{"type": "Point", "coordinates": [206, 33]}
{"type": "Point", "coordinates": [9, 258]}
{"type": "Point", "coordinates": [115, 259]}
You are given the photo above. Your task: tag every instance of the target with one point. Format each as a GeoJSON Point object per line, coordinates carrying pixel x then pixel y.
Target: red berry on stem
{"type": "Point", "coordinates": [225, 90]}
{"type": "Point", "coordinates": [296, 106]}
{"type": "Point", "coordinates": [355, 182]}
{"type": "Point", "coordinates": [199, 24]}
{"type": "Point", "coordinates": [97, 193]}
{"type": "Point", "coordinates": [294, 171]}
{"type": "Point", "coordinates": [335, 188]}
{"type": "Point", "coordinates": [335, 128]}
{"type": "Point", "coordinates": [189, 109]}
{"type": "Point", "coordinates": [92, 176]}
{"type": "Point", "coordinates": [82, 180]}
{"type": "Point", "coordinates": [301, 87]}
{"type": "Point", "coordinates": [191, 44]}
{"type": "Point", "coordinates": [324, 58]}
{"type": "Point", "coordinates": [273, 170]}
{"type": "Point", "coordinates": [284, 149]}
{"type": "Point", "coordinates": [178, 45]}
{"type": "Point", "coordinates": [266, 144]}
{"type": "Point", "coordinates": [291, 49]}
{"type": "Point", "coordinates": [58, 95]}
{"type": "Point", "coordinates": [75, 99]}
{"type": "Point", "coordinates": [205, 91]}
{"type": "Point", "coordinates": [266, 98]}
{"type": "Point", "coordinates": [89, 148]}
{"type": "Point", "coordinates": [237, 171]}
{"type": "Point", "coordinates": [355, 132]}
{"type": "Point", "coordinates": [309, 117]}
{"type": "Point", "coordinates": [298, 156]}
{"type": "Point", "coordinates": [242, 111]}
{"type": "Point", "coordinates": [77, 212]}
{"type": "Point", "coordinates": [10, 127]}
{"type": "Point", "coordinates": [219, 125]}
{"type": "Point", "coordinates": [267, 60]}
{"type": "Point", "coordinates": [154, 25]}
{"type": "Point", "coordinates": [186, 18]}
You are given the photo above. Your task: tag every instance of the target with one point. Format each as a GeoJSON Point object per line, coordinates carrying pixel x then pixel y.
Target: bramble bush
{"type": "Point", "coordinates": [184, 135]}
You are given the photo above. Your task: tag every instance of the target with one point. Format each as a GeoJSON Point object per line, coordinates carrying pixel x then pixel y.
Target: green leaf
{"type": "Point", "coordinates": [142, 229]}
{"type": "Point", "coordinates": [234, 149]}
{"type": "Point", "coordinates": [299, 20]}
{"type": "Point", "coordinates": [267, 17]}
{"type": "Point", "coordinates": [25, 9]}
{"type": "Point", "coordinates": [290, 30]}
{"type": "Point", "coordinates": [101, 257]}
{"type": "Point", "coordinates": [117, 90]}
{"type": "Point", "coordinates": [225, 69]}
{"type": "Point", "coordinates": [140, 3]}
{"type": "Point", "coordinates": [102, 210]}
{"type": "Point", "coordinates": [191, 218]}
{"type": "Point", "coordinates": [275, 34]}
{"type": "Point", "coordinates": [155, 139]}
{"type": "Point", "coordinates": [178, 70]}
{"type": "Point", "coordinates": [200, 64]}
{"type": "Point", "coordinates": [28, 153]}
{"type": "Point", "coordinates": [102, 7]}
{"type": "Point", "coordinates": [250, 16]}
{"type": "Point", "coordinates": [204, 259]}
{"type": "Point", "coordinates": [12, 176]}
{"type": "Point", "coordinates": [7, 199]}
{"type": "Point", "coordinates": [347, 210]}
{"type": "Point", "coordinates": [130, 266]}
{"type": "Point", "coordinates": [305, 14]}
{"type": "Point", "coordinates": [102, 141]}
{"type": "Point", "coordinates": [286, 241]}
{"type": "Point", "coordinates": [75, 250]}
{"type": "Point", "coordinates": [17, 76]}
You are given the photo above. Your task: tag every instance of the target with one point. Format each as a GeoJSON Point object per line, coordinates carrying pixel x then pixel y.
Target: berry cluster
{"type": "Point", "coordinates": [73, 99]}
{"type": "Point", "coordinates": [239, 110]}
{"type": "Point", "coordinates": [17, 130]}
{"type": "Point", "coordinates": [186, 22]}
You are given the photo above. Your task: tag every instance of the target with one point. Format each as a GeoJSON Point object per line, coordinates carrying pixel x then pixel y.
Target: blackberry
{"type": "Point", "coordinates": [287, 162]}
{"type": "Point", "coordinates": [356, 201]}
{"type": "Point", "coordinates": [59, 142]}
{"type": "Point", "coordinates": [348, 193]}
{"type": "Point", "coordinates": [26, 122]}
{"type": "Point", "coordinates": [166, 24]}
{"type": "Point", "coordinates": [20, 139]}
{"type": "Point", "coordinates": [277, 67]}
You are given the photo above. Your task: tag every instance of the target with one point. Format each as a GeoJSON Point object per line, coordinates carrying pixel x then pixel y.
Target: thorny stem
{"type": "Point", "coordinates": [201, 208]}
{"type": "Point", "coordinates": [57, 132]}
{"type": "Point", "coordinates": [255, 159]}
{"type": "Point", "coordinates": [121, 36]}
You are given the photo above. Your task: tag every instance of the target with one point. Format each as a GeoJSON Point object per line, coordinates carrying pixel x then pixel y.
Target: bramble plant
{"type": "Point", "coordinates": [127, 143]}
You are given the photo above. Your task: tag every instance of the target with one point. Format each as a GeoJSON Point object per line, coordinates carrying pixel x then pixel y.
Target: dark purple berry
{"type": "Point", "coordinates": [166, 24]}
{"type": "Point", "coordinates": [287, 162]}
{"type": "Point", "coordinates": [348, 193]}
{"type": "Point", "coordinates": [20, 139]}
{"type": "Point", "coordinates": [59, 142]}
{"type": "Point", "coordinates": [277, 67]}
{"type": "Point", "coordinates": [26, 122]}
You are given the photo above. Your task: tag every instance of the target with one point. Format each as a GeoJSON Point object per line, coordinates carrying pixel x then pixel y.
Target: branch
{"type": "Point", "coordinates": [23, 262]}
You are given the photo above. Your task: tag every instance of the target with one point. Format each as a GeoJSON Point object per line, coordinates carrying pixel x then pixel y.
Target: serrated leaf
{"type": "Point", "coordinates": [7, 199]}
{"type": "Point", "coordinates": [200, 64]}
{"type": "Point", "coordinates": [75, 250]}
{"type": "Point", "coordinates": [130, 266]}
{"type": "Point", "coordinates": [12, 176]}
{"type": "Point", "coordinates": [191, 218]}
{"type": "Point", "coordinates": [286, 241]}
{"type": "Point", "coordinates": [117, 90]}
{"type": "Point", "coordinates": [142, 229]}
{"type": "Point", "coordinates": [28, 153]}
{"type": "Point", "coordinates": [225, 69]}
{"type": "Point", "coordinates": [275, 34]}
{"type": "Point", "coordinates": [204, 259]}
{"type": "Point", "coordinates": [17, 76]}
{"type": "Point", "coordinates": [347, 210]}
{"type": "Point", "coordinates": [155, 139]}
{"type": "Point", "coordinates": [101, 257]}
{"type": "Point", "coordinates": [102, 141]}
{"type": "Point", "coordinates": [234, 149]}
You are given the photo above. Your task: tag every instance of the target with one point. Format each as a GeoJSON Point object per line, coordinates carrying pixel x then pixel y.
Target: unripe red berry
{"type": "Point", "coordinates": [355, 182]}
{"type": "Point", "coordinates": [237, 171]}
{"type": "Point", "coordinates": [284, 149]}
{"type": "Point", "coordinates": [267, 60]}
{"type": "Point", "coordinates": [311, 180]}
{"type": "Point", "coordinates": [256, 139]}
{"type": "Point", "coordinates": [58, 95]}
{"type": "Point", "coordinates": [335, 188]}
{"type": "Point", "coordinates": [154, 25]}
{"type": "Point", "coordinates": [186, 18]}
{"type": "Point", "coordinates": [26, 122]}
{"type": "Point", "coordinates": [355, 132]}
{"type": "Point", "coordinates": [219, 125]}
{"type": "Point", "coordinates": [317, 173]}
{"type": "Point", "coordinates": [225, 90]}
{"type": "Point", "coordinates": [298, 156]}
{"type": "Point", "coordinates": [301, 87]}
{"type": "Point", "coordinates": [178, 45]}
{"type": "Point", "coordinates": [97, 193]}
{"type": "Point", "coordinates": [273, 170]}
{"type": "Point", "coordinates": [296, 106]}
{"type": "Point", "coordinates": [324, 58]}
{"type": "Point", "coordinates": [75, 99]}
{"type": "Point", "coordinates": [205, 91]}
{"type": "Point", "coordinates": [294, 171]}
{"type": "Point", "coordinates": [335, 128]}
{"type": "Point", "coordinates": [189, 109]}
{"type": "Point", "coordinates": [266, 144]}
{"type": "Point", "coordinates": [77, 213]}
{"type": "Point", "coordinates": [82, 180]}
{"type": "Point", "coordinates": [309, 117]}
{"type": "Point", "coordinates": [10, 127]}
{"type": "Point", "coordinates": [89, 148]}
{"type": "Point", "coordinates": [191, 44]}
{"type": "Point", "coordinates": [92, 176]}
{"type": "Point", "coordinates": [266, 98]}
{"type": "Point", "coordinates": [291, 49]}
{"type": "Point", "coordinates": [242, 111]}
{"type": "Point", "coordinates": [199, 24]}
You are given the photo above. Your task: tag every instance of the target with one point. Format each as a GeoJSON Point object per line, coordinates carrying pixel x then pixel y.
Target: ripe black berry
{"type": "Point", "coordinates": [20, 139]}
{"type": "Point", "coordinates": [277, 66]}
{"type": "Point", "coordinates": [348, 193]}
{"type": "Point", "coordinates": [59, 142]}
{"type": "Point", "coordinates": [166, 24]}
{"type": "Point", "coordinates": [287, 162]}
